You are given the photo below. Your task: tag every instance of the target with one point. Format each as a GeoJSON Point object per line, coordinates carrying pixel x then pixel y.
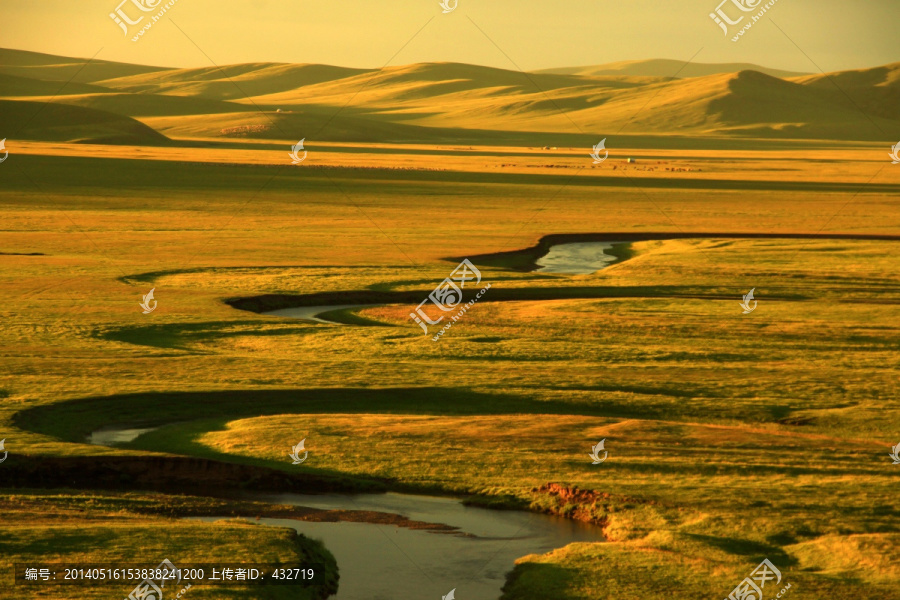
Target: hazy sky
{"type": "Point", "coordinates": [533, 34]}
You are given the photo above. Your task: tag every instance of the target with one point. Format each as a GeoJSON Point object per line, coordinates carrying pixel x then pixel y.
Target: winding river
{"type": "Point", "coordinates": [387, 562]}
{"type": "Point", "coordinates": [578, 258]}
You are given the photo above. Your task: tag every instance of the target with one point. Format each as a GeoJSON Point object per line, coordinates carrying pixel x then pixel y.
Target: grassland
{"type": "Point", "coordinates": [732, 437]}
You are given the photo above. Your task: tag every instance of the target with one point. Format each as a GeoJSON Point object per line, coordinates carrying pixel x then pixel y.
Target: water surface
{"type": "Point", "coordinates": [578, 258]}
{"type": "Point", "coordinates": [385, 562]}
{"type": "Point", "coordinates": [311, 313]}
{"type": "Point", "coordinates": [110, 436]}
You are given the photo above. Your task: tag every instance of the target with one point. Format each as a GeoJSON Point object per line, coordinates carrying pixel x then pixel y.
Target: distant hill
{"type": "Point", "coordinates": [232, 81]}
{"type": "Point", "coordinates": [440, 102]}
{"type": "Point", "coordinates": [663, 67]}
{"type": "Point", "coordinates": [64, 123]}
{"type": "Point", "coordinates": [145, 105]}
{"type": "Point", "coordinates": [58, 68]}
{"type": "Point", "coordinates": [424, 84]}
{"type": "Point", "coordinates": [13, 85]}
{"type": "Point", "coordinates": [875, 91]}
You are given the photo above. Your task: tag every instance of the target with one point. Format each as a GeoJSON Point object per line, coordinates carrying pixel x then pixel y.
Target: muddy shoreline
{"type": "Point", "coordinates": [222, 484]}
{"type": "Point", "coordinates": [172, 474]}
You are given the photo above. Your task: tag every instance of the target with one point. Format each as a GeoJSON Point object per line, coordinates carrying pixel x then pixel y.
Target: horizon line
{"type": "Point", "coordinates": [568, 66]}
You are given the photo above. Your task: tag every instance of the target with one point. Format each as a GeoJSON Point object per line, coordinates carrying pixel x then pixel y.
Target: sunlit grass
{"type": "Point", "coordinates": [732, 437]}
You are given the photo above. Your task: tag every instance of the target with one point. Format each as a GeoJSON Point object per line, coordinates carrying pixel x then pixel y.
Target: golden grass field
{"type": "Point", "coordinates": [732, 437]}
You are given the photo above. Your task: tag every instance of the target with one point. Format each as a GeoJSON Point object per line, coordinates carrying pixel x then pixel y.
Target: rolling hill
{"type": "Point", "coordinates": [59, 68]}
{"type": "Point", "coordinates": [231, 82]}
{"type": "Point", "coordinates": [874, 91]}
{"type": "Point", "coordinates": [434, 102]}
{"type": "Point", "coordinates": [664, 67]}
{"type": "Point", "coordinates": [65, 123]}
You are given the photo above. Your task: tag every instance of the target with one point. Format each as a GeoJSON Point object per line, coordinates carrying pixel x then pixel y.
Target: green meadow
{"type": "Point", "coordinates": [731, 437]}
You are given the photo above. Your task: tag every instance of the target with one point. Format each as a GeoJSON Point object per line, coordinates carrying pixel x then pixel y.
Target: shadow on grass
{"type": "Point", "coordinates": [183, 336]}
{"type": "Point", "coordinates": [74, 420]}
{"type": "Point", "coordinates": [531, 580]}
{"type": "Point", "coordinates": [270, 302]}
{"type": "Point", "coordinates": [185, 416]}
{"type": "Point", "coordinates": [181, 439]}
{"type": "Point", "coordinates": [740, 547]}
{"type": "Point", "coordinates": [61, 538]}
